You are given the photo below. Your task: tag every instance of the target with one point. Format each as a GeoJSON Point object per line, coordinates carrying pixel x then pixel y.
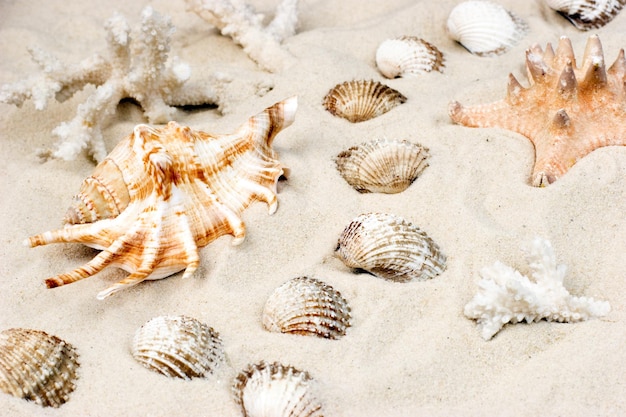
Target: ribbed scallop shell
{"type": "Point", "coordinates": [587, 14]}
{"type": "Point", "coordinates": [37, 366]}
{"type": "Point", "coordinates": [307, 306]}
{"type": "Point", "coordinates": [382, 166]}
{"type": "Point", "coordinates": [178, 346]}
{"type": "Point", "coordinates": [485, 28]}
{"type": "Point", "coordinates": [361, 100]}
{"type": "Point", "coordinates": [408, 55]}
{"type": "Point", "coordinates": [275, 390]}
{"type": "Point", "coordinates": [390, 247]}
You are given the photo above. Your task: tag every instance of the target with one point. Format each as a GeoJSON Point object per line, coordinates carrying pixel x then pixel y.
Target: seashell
{"type": "Point", "coordinates": [164, 192]}
{"type": "Point", "coordinates": [485, 28]}
{"type": "Point", "coordinates": [408, 55]}
{"type": "Point", "coordinates": [587, 14]}
{"type": "Point", "coordinates": [275, 390]}
{"type": "Point", "coordinates": [361, 100]}
{"type": "Point", "coordinates": [37, 367]}
{"type": "Point", "coordinates": [178, 346]}
{"type": "Point", "coordinates": [307, 306]}
{"type": "Point", "coordinates": [390, 247]}
{"type": "Point", "coordinates": [382, 166]}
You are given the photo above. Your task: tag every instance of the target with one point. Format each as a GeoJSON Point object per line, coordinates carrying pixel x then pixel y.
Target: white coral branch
{"type": "Point", "coordinates": [506, 296]}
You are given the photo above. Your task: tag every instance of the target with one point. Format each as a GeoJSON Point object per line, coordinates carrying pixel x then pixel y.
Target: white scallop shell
{"type": "Point", "coordinates": [390, 247]}
{"type": "Point", "coordinates": [37, 366]}
{"type": "Point", "coordinates": [307, 306]}
{"type": "Point", "coordinates": [408, 55]}
{"type": "Point", "coordinates": [382, 166]}
{"type": "Point", "coordinates": [275, 390]}
{"type": "Point", "coordinates": [178, 346]}
{"type": "Point", "coordinates": [587, 14]}
{"type": "Point", "coordinates": [485, 28]}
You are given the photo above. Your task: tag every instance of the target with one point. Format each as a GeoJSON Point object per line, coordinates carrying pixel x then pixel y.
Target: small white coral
{"type": "Point", "coordinates": [506, 296]}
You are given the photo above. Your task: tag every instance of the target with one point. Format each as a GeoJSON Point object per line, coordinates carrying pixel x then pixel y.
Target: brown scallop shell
{"type": "Point", "coordinates": [361, 100]}
{"type": "Point", "coordinates": [408, 55]}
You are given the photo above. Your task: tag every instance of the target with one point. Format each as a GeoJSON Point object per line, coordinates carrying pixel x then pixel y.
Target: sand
{"type": "Point", "coordinates": [410, 350]}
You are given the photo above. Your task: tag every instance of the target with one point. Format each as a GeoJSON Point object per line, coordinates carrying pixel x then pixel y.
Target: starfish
{"type": "Point", "coordinates": [567, 112]}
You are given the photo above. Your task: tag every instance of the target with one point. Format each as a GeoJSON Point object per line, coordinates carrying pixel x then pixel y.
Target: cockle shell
{"type": "Point", "coordinates": [587, 14]}
{"type": "Point", "coordinates": [275, 390]}
{"type": "Point", "coordinates": [485, 28]}
{"type": "Point", "coordinates": [408, 55]}
{"type": "Point", "coordinates": [361, 100]}
{"type": "Point", "coordinates": [162, 193]}
{"type": "Point", "coordinates": [390, 247]}
{"type": "Point", "coordinates": [37, 366]}
{"type": "Point", "coordinates": [382, 166]}
{"type": "Point", "coordinates": [307, 306]}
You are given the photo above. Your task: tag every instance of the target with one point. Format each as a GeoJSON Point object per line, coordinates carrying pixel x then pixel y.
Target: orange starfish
{"type": "Point", "coordinates": [567, 112]}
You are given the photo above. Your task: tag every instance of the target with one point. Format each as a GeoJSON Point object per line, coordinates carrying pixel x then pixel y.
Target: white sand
{"type": "Point", "coordinates": [410, 350]}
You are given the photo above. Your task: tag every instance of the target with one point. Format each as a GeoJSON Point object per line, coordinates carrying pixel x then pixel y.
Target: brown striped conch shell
{"type": "Point", "coordinates": [307, 306]}
{"type": "Point", "coordinates": [587, 14]}
{"type": "Point", "coordinates": [358, 101]}
{"type": "Point", "coordinates": [408, 55]}
{"type": "Point", "coordinates": [37, 367]}
{"type": "Point", "coordinates": [165, 192]}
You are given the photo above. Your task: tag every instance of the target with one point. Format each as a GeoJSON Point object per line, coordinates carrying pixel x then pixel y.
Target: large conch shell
{"type": "Point", "coordinates": [162, 193]}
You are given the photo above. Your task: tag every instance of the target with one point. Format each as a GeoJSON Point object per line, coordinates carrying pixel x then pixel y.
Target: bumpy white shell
{"type": "Point", "coordinates": [361, 100]}
{"type": "Point", "coordinates": [587, 14]}
{"type": "Point", "coordinates": [382, 166]}
{"type": "Point", "coordinates": [307, 306]}
{"type": "Point", "coordinates": [275, 390]}
{"type": "Point", "coordinates": [178, 346]}
{"type": "Point", "coordinates": [390, 247]}
{"type": "Point", "coordinates": [485, 28]}
{"type": "Point", "coordinates": [408, 55]}
{"type": "Point", "coordinates": [37, 366]}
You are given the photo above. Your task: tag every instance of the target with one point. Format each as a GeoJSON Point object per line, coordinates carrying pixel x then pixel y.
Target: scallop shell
{"type": "Point", "coordinates": [408, 55]}
{"type": "Point", "coordinates": [587, 14]}
{"type": "Point", "coordinates": [361, 100]}
{"type": "Point", "coordinates": [485, 28]}
{"type": "Point", "coordinates": [307, 306]}
{"type": "Point", "coordinates": [382, 166]}
{"type": "Point", "coordinates": [37, 366]}
{"type": "Point", "coordinates": [275, 390]}
{"type": "Point", "coordinates": [390, 247]}
{"type": "Point", "coordinates": [178, 346]}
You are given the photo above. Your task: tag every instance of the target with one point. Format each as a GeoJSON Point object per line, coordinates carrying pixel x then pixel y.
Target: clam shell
{"type": "Point", "coordinates": [178, 346]}
{"type": "Point", "coordinates": [390, 247]}
{"type": "Point", "coordinates": [408, 55]}
{"type": "Point", "coordinates": [37, 366]}
{"type": "Point", "coordinates": [587, 14]}
{"type": "Point", "coordinates": [485, 28]}
{"type": "Point", "coordinates": [382, 166]}
{"type": "Point", "coordinates": [361, 100]}
{"type": "Point", "coordinates": [307, 306]}
{"type": "Point", "coordinates": [275, 390]}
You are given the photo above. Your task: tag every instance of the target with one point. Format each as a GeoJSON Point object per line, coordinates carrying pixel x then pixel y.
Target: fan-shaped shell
{"type": "Point", "coordinates": [37, 366]}
{"type": "Point", "coordinates": [178, 346]}
{"type": "Point", "coordinates": [390, 247]}
{"type": "Point", "coordinates": [307, 306]}
{"type": "Point", "coordinates": [362, 100]}
{"type": "Point", "coordinates": [408, 55]}
{"type": "Point", "coordinates": [275, 390]}
{"type": "Point", "coordinates": [587, 14]}
{"type": "Point", "coordinates": [382, 166]}
{"type": "Point", "coordinates": [485, 28]}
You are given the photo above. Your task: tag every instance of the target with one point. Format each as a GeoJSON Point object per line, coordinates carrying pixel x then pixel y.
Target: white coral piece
{"type": "Point", "coordinates": [506, 296]}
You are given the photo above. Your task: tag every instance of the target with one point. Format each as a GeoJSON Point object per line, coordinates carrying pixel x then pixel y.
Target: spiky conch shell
{"type": "Point", "coordinates": [162, 193]}
{"type": "Point", "coordinates": [408, 55]}
{"type": "Point", "coordinates": [361, 100]}
{"type": "Point", "coordinates": [587, 14]}
{"type": "Point", "coordinates": [37, 366]}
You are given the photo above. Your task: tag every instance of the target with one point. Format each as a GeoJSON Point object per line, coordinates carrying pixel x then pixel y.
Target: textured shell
{"type": "Point", "coordinates": [382, 166]}
{"type": "Point", "coordinates": [408, 55]}
{"type": "Point", "coordinates": [390, 247]}
{"type": "Point", "coordinates": [179, 346]}
{"type": "Point", "coordinates": [485, 28]}
{"type": "Point", "coordinates": [275, 390]}
{"type": "Point", "coordinates": [361, 100]}
{"type": "Point", "coordinates": [164, 192]}
{"type": "Point", "coordinates": [587, 14]}
{"type": "Point", "coordinates": [307, 306]}
{"type": "Point", "coordinates": [37, 366]}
